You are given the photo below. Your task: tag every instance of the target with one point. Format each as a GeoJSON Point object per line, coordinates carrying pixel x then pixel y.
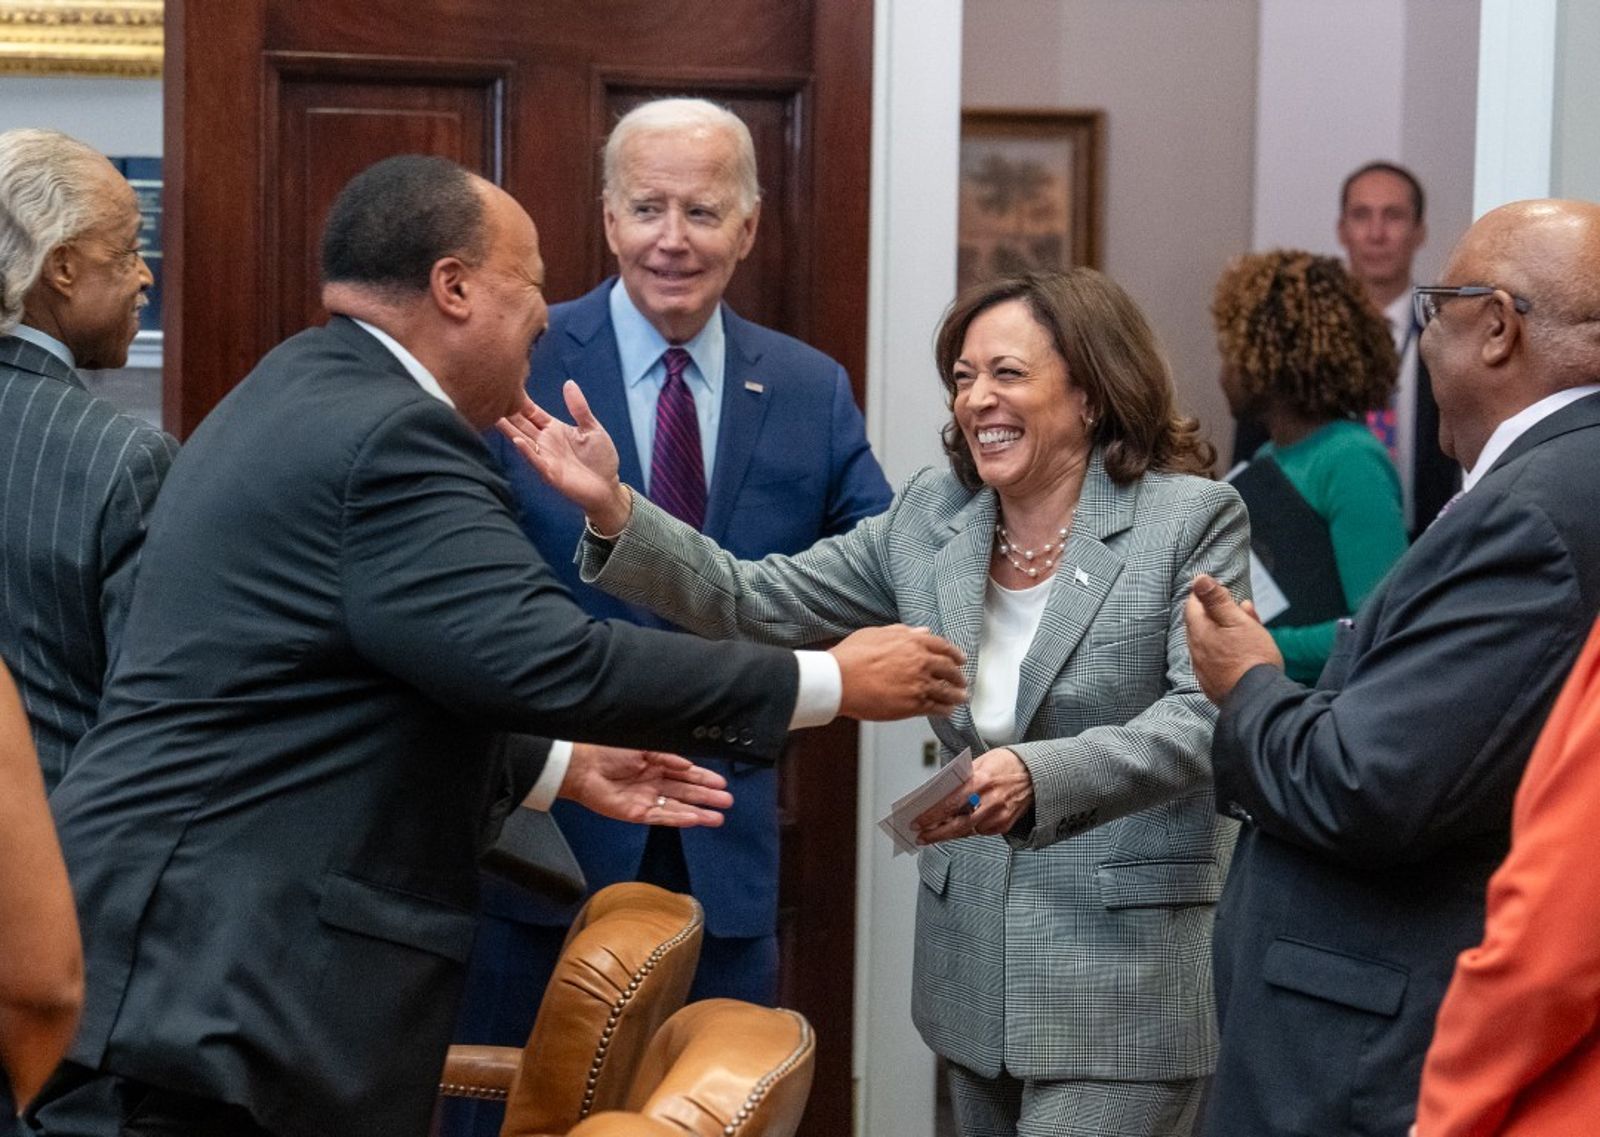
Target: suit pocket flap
{"type": "Point", "coordinates": [1112, 632]}
{"type": "Point", "coordinates": [1363, 984]}
{"type": "Point", "coordinates": [1151, 884]}
{"type": "Point", "coordinates": [399, 917]}
{"type": "Point", "coordinates": [933, 867]}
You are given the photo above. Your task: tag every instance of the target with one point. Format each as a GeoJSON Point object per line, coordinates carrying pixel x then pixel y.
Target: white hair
{"type": "Point", "coordinates": [49, 193]}
{"type": "Point", "coordinates": [673, 116]}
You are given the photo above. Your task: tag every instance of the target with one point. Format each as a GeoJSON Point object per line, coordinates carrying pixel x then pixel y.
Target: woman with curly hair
{"type": "Point", "coordinates": [1064, 923]}
{"type": "Point", "coordinates": [1305, 352]}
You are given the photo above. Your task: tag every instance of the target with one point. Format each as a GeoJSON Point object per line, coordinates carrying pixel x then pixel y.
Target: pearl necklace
{"type": "Point", "coordinates": [1047, 554]}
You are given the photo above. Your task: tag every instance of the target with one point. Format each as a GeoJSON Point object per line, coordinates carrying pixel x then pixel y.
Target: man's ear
{"type": "Point", "coordinates": [1502, 330]}
{"type": "Point", "coordinates": [748, 238]}
{"type": "Point", "coordinates": [450, 287]}
{"type": "Point", "coordinates": [59, 272]}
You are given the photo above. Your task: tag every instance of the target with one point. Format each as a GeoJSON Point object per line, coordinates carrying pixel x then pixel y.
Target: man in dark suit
{"type": "Point", "coordinates": [273, 830]}
{"type": "Point", "coordinates": [782, 461]}
{"type": "Point", "coordinates": [1376, 805]}
{"type": "Point", "coordinates": [79, 477]}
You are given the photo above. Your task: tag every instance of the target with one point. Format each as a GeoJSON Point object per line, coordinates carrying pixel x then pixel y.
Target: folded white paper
{"type": "Point", "coordinates": [949, 778]}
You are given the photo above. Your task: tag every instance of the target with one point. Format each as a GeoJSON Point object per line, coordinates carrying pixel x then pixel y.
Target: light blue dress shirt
{"type": "Point", "coordinates": [639, 347]}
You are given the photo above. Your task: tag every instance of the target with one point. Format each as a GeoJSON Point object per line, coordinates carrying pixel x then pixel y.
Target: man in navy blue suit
{"type": "Point", "coordinates": [783, 461]}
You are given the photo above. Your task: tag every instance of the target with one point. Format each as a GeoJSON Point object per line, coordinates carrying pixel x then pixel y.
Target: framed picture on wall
{"type": "Point", "coordinates": [1030, 191]}
{"type": "Point", "coordinates": [121, 38]}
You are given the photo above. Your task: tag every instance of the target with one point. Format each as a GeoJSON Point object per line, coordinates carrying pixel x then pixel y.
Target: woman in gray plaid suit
{"type": "Point", "coordinates": [1064, 924]}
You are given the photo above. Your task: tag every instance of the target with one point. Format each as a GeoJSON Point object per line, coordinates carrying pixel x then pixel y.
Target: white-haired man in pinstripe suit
{"type": "Point", "coordinates": [77, 478]}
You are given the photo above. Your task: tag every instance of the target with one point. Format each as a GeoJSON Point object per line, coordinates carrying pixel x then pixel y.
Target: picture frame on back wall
{"type": "Point", "coordinates": [122, 39]}
{"type": "Point", "coordinates": [1030, 191]}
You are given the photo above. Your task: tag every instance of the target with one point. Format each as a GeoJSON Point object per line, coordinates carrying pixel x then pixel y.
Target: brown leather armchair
{"type": "Point", "coordinates": [718, 1068]}
{"type": "Point", "coordinates": [626, 966]}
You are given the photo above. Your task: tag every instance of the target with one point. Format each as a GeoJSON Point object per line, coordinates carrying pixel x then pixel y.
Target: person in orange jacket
{"type": "Point", "coordinates": [1517, 1047]}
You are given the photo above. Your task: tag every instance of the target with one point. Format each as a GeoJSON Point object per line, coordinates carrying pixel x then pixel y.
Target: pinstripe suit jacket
{"type": "Point", "coordinates": [77, 479]}
{"type": "Point", "coordinates": [1050, 958]}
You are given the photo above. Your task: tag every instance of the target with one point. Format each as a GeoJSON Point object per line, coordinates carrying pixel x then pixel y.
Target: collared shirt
{"type": "Point", "coordinates": [1402, 327]}
{"type": "Point", "coordinates": [821, 682]}
{"type": "Point", "coordinates": [42, 339]}
{"type": "Point", "coordinates": [1518, 425]}
{"type": "Point", "coordinates": [639, 347]}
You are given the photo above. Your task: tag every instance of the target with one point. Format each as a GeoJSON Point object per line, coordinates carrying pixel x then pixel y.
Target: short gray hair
{"type": "Point", "coordinates": [49, 187]}
{"type": "Point", "coordinates": [672, 116]}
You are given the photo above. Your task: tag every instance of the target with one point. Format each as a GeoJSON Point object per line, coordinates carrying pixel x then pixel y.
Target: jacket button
{"type": "Point", "coordinates": [698, 732]}
{"type": "Point", "coordinates": [713, 732]}
{"type": "Point", "coordinates": [748, 737]}
{"type": "Point", "coordinates": [1240, 813]}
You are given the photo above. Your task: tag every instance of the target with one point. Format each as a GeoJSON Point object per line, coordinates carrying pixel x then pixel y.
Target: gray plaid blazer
{"type": "Point", "coordinates": [77, 480]}
{"type": "Point", "coordinates": [1079, 946]}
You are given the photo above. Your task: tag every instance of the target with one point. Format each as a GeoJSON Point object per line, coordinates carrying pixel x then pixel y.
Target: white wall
{"type": "Point", "coordinates": [1575, 157]}
{"type": "Point", "coordinates": [1343, 82]}
{"type": "Point", "coordinates": [915, 135]}
{"type": "Point", "coordinates": [1177, 82]}
{"type": "Point", "coordinates": [121, 117]}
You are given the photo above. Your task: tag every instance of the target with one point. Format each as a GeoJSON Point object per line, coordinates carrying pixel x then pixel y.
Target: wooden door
{"type": "Point", "coordinates": [271, 105]}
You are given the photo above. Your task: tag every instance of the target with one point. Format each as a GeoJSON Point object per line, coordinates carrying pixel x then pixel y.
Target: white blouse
{"type": "Point", "coordinates": [1010, 621]}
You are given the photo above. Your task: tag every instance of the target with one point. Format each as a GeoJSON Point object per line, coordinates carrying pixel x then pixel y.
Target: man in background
{"type": "Point", "coordinates": [273, 830]}
{"type": "Point", "coordinates": [1375, 806]}
{"type": "Point", "coordinates": [1381, 226]}
{"type": "Point", "coordinates": [79, 477]}
{"type": "Point", "coordinates": [742, 432]}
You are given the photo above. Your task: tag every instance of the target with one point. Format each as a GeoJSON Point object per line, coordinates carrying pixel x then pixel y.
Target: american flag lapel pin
{"type": "Point", "coordinates": [752, 385]}
{"type": "Point", "coordinates": [1080, 576]}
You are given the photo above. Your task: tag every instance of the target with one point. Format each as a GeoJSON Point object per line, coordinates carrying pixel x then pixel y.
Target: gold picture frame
{"type": "Point", "coordinates": [1029, 191]}
{"type": "Point", "coordinates": [82, 37]}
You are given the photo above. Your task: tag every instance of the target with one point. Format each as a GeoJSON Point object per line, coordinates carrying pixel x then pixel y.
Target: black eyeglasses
{"type": "Point", "coordinates": [1426, 298]}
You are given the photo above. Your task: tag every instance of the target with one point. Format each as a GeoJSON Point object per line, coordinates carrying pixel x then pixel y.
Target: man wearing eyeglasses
{"type": "Point", "coordinates": [1375, 806]}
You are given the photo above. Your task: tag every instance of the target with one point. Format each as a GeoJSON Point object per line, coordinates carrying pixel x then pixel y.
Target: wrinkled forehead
{"type": "Point", "coordinates": [704, 154]}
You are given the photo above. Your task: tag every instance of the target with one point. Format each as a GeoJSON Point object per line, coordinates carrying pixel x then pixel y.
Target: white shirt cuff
{"type": "Point", "coordinates": [544, 791]}
{"type": "Point", "coordinates": [821, 689]}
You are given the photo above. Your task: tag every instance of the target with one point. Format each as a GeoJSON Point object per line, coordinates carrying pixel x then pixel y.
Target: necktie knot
{"type": "Point", "coordinates": [677, 361]}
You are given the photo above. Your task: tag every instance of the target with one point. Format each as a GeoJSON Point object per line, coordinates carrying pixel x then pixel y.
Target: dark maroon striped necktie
{"type": "Point", "coordinates": [677, 469]}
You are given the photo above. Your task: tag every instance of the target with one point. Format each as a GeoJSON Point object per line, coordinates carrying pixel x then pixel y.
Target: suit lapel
{"type": "Point", "coordinates": [1082, 582]}
{"type": "Point", "coordinates": [961, 575]}
{"type": "Point", "coordinates": [744, 408]}
{"type": "Point", "coordinates": [590, 350]}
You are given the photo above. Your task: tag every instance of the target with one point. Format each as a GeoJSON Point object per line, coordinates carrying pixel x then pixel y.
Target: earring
{"type": "Point", "coordinates": [1088, 419]}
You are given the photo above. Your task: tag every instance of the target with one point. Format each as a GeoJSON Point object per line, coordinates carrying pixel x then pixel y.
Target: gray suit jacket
{"type": "Point", "coordinates": [1086, 958]}
{"type": "Point", "coordinates": [77, 480]}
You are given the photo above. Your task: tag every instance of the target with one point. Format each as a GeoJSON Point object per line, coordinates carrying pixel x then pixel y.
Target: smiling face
{"type": "Point", "coordinates": [1018, 409]}
{"type": "Point", "coordinates": [100, 297]}
{"type": "Point", "coordinates": [509, 311]}
{"type": "Point", "coordinates": [675, 224]}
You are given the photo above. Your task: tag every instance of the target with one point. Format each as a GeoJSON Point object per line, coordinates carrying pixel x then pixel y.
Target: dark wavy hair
{"type": "Point", "coordinates": [1298, 328]}
{"type": "Point", "coordinates": [1110, 352]}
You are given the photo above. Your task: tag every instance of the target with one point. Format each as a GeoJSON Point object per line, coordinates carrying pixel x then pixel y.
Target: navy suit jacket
{"type": "Point", "coordinates": [78, 479]}
{"type": "Point", "coordinates": [1376, 805]}
{"type": "Point", "coordinates": [273, 830]}
{"type": "Point", "coordinates": [792, 466]}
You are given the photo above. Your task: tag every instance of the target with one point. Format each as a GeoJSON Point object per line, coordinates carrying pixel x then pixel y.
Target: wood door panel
{"type": "Point", "coordinates": [272, 104]}
{"type": "Point", "coordinates": [329, 117]}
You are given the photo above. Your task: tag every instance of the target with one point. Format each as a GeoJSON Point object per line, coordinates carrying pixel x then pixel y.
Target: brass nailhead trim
{"type": "Point", "coordinates": [621, 1005]}
{"type": "Point", "coordinates": [761, 1088]}
{"type": "Point", "coordinates": [481, 1093]}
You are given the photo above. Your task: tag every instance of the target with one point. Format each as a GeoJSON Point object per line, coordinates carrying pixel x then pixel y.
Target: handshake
{"type": "Point", "coordinates": [896, 672]}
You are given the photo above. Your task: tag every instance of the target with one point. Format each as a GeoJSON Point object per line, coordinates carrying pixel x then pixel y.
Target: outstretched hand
{"type": "Point", "coordinates": [1225, 639]}
{"type": "Point", "coordinates": [645, 786]}
{"type": "Point", "coordinates": [1004, 789]}
{"type": "Point", "coordinates": [578, 462]}
{"type": "Point", "coordinates": [895, 672]}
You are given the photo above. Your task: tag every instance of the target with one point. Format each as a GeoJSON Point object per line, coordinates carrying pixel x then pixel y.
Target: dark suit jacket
{"type": "Point", "coordinates": [273, 830]}
{"type": "Point", "coordinates": [1377, 805]}
{"type": "Point", "coordinates": [792, 466]}
{"type": "Point", "coordinates": [78, 481]}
